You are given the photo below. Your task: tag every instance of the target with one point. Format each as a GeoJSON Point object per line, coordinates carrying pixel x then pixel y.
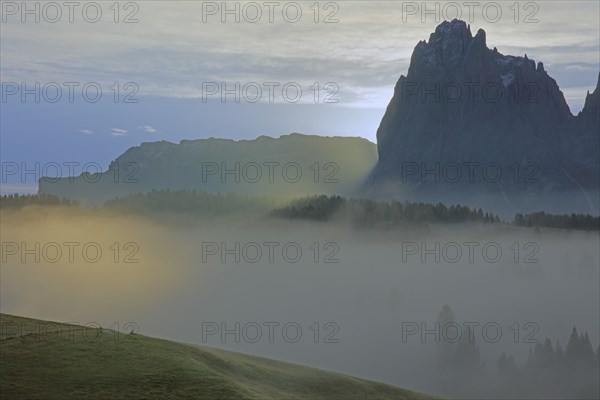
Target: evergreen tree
{"type": "Point", "coordinates": [579, 351]}
{"type": "Point", "coordinates": [467, 354]}
{"type": "Point", "coordinates": [446, 349]}
{"type": "Point", "coordinates": [560, 357]}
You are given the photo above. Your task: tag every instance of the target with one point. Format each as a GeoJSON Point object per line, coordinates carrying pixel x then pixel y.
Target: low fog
{"type": "Point", "coordinates": [375, 287]}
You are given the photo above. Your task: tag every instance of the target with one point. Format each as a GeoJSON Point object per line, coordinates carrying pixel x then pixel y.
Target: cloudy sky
{"type": "Point", "coordinates": [160, 65]}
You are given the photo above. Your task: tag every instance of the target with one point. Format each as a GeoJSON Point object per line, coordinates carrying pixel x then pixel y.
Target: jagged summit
{"type": "Point", "coordinates": [452, 45]}
{"type": "Point", "coordinates": [455, 30]}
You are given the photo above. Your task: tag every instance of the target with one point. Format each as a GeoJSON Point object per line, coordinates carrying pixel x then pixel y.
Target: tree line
{"type": "Point", "coordinates": [550, 369]}
{"type": "Point", "coordinates": [366, 212]}
{"type": "Point", "coordinates": [585, 222]}
{"type": "Point", "coordinates": [360, 212]}
{"type": "Point", "coordinates": [22, 200]}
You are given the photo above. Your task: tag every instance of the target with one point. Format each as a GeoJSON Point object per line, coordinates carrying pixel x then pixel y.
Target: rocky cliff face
{"type": "Point", "coordinates": [464, 109]}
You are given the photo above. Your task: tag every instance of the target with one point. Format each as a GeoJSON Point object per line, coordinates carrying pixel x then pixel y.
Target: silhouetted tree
{"type": "Point", "coordinates": [467, 354]}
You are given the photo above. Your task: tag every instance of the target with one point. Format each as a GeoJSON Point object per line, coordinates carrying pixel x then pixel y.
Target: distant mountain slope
{"type": "Point", "coordinates": [290, 165]}
{"type": "Point", "coordinates": [463, 110]}
{"type": "Point", "coordinates": [136, 367]}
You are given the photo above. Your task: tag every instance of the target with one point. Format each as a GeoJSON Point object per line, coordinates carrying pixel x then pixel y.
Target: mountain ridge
{"type": "Point", "coordinates": [290, 165]}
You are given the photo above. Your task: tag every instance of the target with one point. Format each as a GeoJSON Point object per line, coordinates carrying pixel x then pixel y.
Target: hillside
{"type": "Point", "coordinates": [62, 364]}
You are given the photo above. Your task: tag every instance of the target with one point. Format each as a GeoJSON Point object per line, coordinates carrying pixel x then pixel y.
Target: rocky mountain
{"type": "Point", "coordinates": [468, 122]}
{"type": "Point", "coordinates": [288, 166]}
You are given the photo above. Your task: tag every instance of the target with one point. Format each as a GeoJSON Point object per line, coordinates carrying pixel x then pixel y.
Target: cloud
{"type": "Point", "coordinates": [119, 132]}
{"type": "Point", "coordinates": [580, 68]}
{"type": "Point", "coordinates": [148, 129]}
{"type": "Point", "coordinates": [167, 56]}
{"type": "Point", "coordinates": [86, 132]}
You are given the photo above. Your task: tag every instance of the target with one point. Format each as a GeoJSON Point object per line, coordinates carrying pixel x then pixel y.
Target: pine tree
{"type": "Point", "coordinates": [467, 353]}
{"type": "Point", "coordinates": [446, 349]}
{"type": "Point", "coordinates": [572, 352]}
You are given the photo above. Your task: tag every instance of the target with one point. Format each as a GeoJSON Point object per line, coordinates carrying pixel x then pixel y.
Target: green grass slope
{"type": "Point", "coordinates": [47, 360]}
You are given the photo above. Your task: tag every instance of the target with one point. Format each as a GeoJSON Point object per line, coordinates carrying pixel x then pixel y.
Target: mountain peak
{"type": "Point", "coordinates": [446, 47]}
{"type": "Point", "coordinates": [442, 112]}
{"type": "Point", "coordinates": [455, 34]}
{"type": "Point", "coordinates": [454, 28]}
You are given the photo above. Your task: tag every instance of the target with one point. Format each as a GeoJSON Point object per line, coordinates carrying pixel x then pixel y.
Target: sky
{"type": "Point", "coordinates": [160, 67]}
